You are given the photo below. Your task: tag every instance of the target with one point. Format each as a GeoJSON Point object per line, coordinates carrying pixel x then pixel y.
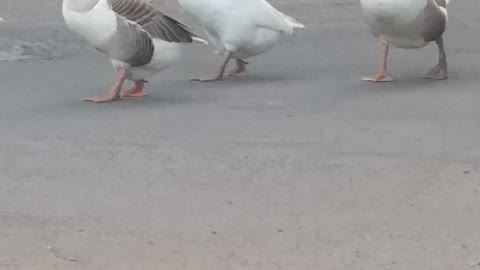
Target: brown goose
{"type": "Point", "coordinates": [140, 40]}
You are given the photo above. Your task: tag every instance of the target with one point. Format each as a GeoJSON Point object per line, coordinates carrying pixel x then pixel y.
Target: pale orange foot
{"type": "Point", "coordinates": [235, 72]}
{"type": "Point", "coordinates": [102, 99]}
{"type": "Point", "coordinates": [240, 70]}
{"type": "Point", "coordinates": [134, 92]}
{"type": "Point", "coordinates": [230, 74]}
{"type": "Point", "coordinates": [114, 93]}
{"type": "Point", "coordinates": [221, 71]}
{"type": "Point", "coordinates": [206, 80]}
{"type": "Point", "coordinates": [380, 77]}
{"type": "Point", "coordinates": [437, 73]}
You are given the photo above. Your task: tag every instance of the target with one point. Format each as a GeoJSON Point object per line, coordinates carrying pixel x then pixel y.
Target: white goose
{"type": "Point", "coordinates": [239, 29]}
{"type": "Point", "coordinates": [407, 24]}
{"type": "Point", "coordinates": [140, 40]}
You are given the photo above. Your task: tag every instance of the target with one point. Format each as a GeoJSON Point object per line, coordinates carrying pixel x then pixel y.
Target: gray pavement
{"type": "Point", "coordinates": [298, 165]}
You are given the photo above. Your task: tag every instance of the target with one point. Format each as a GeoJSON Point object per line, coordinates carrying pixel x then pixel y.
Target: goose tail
{"type": "Point", "coordinates": [292, 22]}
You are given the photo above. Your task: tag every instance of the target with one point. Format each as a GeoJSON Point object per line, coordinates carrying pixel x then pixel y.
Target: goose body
{"type": "Point", "coordinates": [408, 24]}
{"type": "Point", "coordinates": [139, 40]}
{"type": "Point", "coordinates": [240, 29]}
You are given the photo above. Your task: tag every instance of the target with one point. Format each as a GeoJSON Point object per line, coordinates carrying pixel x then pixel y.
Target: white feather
{"type": "Point", "coordinates": [97, 26]}
{"type": "Point", "coordinates": [265, 15]}
{"type": "Point", "coordinates": [397, 20]}
{"type": "Point", "coordinates": [244, 27]}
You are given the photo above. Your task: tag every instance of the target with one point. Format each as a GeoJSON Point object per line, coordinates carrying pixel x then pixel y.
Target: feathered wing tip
{"type": "Point", "coordinates": [186, 30]}
{"type": "Point", "coordinates": [264, 15]}
{"type": "Point", "coordinates": [292, 22]}
{"type": "Point", "coordinates": [193, 36]}
{"type": "Point", "coordinates": [447, 1]}
{"type": "Point", "coordinates": [199, 40]}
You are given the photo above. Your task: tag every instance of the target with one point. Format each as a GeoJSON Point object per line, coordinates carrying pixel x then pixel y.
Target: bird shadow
{"type": "Point", "coordinates": [259, 78]}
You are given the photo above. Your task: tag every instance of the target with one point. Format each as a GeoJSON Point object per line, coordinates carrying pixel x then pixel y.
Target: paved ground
{"type": "Point", "coordinates": [297, 166]}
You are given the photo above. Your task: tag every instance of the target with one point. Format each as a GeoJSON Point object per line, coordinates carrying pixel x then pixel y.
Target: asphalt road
{"type": "Point", "coordinates": [298, 165]}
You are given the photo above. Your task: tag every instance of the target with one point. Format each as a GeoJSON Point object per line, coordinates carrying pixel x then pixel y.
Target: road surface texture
{"type": "Point", "coordinates": [298, 165]}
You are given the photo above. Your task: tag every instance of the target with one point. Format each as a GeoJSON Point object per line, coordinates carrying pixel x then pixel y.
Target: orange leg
{"type": "Point", "coordinates": [382, 74]}
{"type": "Point", "coordinates": [220, 73]}
{"type": "Point", "coordinates": [114, 93]}
{"type": "Point", "coordinates": [239, 70]}
{"type": "Point", "coordinates": [136, 91]}
{"type": "Point", "coordinates": [440, 71]}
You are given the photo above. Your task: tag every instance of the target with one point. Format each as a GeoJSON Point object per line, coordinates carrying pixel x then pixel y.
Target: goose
{"type": "Point", "coordinates": [408, 24]}
{"type": "Point", "coordinates": [140, 40]}
{"type": "Point", "coordinates": [239, 29]}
